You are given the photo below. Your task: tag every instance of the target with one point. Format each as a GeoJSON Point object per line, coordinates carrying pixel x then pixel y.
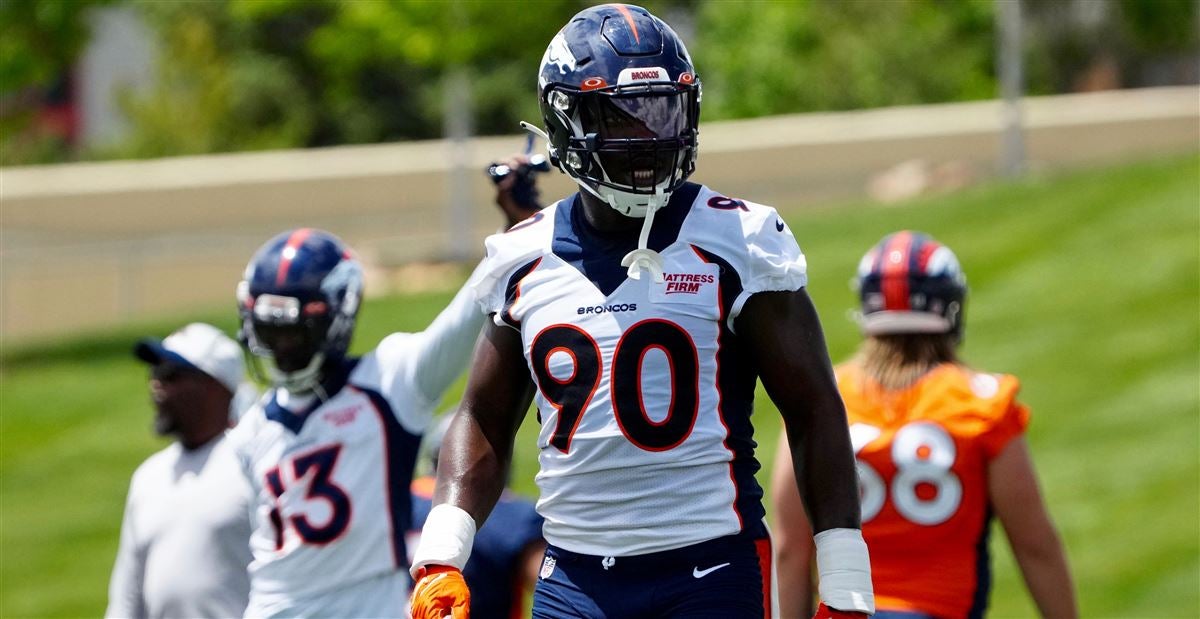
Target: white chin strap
{"type": "Point", "coordinates": [301, 381]}
{"type": "Point", "coordinates": [630, 205]}
{"type": "Point", "coordinates": [643, 258]}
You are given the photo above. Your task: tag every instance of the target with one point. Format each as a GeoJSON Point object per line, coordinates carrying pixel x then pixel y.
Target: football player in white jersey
{"type": "Point", "coordinates": [330, 449]}
{"type": "Point", "coordinates": [639, 314]}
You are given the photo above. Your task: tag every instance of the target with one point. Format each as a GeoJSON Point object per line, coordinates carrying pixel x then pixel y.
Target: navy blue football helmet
{"type": "Point", "coordinates": [298, 301]}
{"type": "Point", "coordinates": [620, 100]}
{"type": "Point", "coordinates": [910, 283]}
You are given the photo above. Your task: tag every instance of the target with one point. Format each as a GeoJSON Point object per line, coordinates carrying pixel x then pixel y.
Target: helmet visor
{"type": "Point", "coordinates": [640, 138]}
{"type": "Point", "coordinates": [290, 347]}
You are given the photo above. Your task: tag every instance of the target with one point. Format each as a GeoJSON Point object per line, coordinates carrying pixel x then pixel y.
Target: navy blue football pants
{"type": "Point", "coordinates": [726, 578]}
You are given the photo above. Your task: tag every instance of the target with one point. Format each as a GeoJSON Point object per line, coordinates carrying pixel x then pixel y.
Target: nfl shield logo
{"type": "Point", "coordinates": [547, 567]}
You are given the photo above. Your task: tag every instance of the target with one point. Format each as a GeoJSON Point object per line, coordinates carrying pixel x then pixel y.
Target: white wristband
{"type": "Point", "coordinates": [844, 568]}
{"type": "Point", "coordinates": [446, 538]}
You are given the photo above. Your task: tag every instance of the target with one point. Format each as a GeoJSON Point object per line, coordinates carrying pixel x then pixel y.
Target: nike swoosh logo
{"type": "Point", "coordinates": [779, 225]}
{"type": "Point", "coordinates": [699, 573]}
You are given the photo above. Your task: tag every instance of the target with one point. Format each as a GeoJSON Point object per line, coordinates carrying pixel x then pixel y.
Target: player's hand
{"type": "Point", "coordinates": [825, 612]}
{"type": "Point", "coordinates": [440, 592]}
{"type": "Point", "coordinates": [516, 191]}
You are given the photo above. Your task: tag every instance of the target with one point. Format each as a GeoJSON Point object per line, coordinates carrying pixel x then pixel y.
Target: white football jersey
{"type": "Point", "coordinates": [332, 478]}
{"type": "Point", "coordinates": [644, 391]}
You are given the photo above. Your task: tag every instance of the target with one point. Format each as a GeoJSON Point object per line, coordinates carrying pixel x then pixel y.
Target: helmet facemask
{"type": "Point", "coordinates": [293, 337]}
{"type": "Point", "coordinates": [630, 146]}
{"type": "Point", "coordinates": [620, 102]}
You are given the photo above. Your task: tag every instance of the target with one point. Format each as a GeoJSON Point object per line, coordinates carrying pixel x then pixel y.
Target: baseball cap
{"type": "Point", "coordinates": [201, 347]}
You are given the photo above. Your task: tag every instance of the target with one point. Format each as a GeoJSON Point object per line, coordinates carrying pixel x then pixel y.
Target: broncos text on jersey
{"type": "Point", "coordinates": [644, 390]}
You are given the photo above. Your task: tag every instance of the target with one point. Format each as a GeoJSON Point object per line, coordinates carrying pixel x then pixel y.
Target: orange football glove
{"type": "Point", "coordinates": [440, 592]}
{"type": "Point", "coordinates": [825, 612]}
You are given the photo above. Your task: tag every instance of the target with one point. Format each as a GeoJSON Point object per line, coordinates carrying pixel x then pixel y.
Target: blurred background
{"type": "Point", "coordinates": [147, 148]}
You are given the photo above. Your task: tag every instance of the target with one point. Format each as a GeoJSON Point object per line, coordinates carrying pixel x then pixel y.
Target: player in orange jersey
{"type": "Point", "coordinates": [939, 449]}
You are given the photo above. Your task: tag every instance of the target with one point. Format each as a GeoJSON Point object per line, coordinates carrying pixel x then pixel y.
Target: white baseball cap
{"type": "Point", "coordinates": [199, 346]}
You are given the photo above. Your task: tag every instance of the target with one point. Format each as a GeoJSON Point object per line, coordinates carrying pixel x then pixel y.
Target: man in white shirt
{"type": "Point", "coordinates": [183, 549]}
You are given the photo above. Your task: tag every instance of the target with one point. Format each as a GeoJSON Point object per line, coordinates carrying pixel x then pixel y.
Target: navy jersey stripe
{"type": "Point", "coordinates": [737, 376]}
{"type": "Point", "coordinates": [598, 255]}
{"type": "Point", "coordinates": [727, 278]}
{"type": "Point", "coordinates": [513, 291]}
{"type": "Point", "coordinates": [337, 374]}
{"type": "Point", "coordinates": [400, 451]}
{"type": "Point", "coordinates": [983, 570]}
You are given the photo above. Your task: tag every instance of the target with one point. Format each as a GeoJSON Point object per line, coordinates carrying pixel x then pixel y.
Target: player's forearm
{"type": "Point", "coordinates": [472, 468]}
{"type": "Point", "coordinates": [829, 483]}
{"type": "Point", "coordinates": [786, 340]}
{"type": "Point", "coordinates": [1017, 501]}
{"type": "Point", "coordinates": [1048, 578]}
{"type": "Point", "coordinates": [470, 479]}
{"type": "Point", "coordinates": [477, 450]}
{"type": "Point", "coordinates": [791, 536]}
{"type": "Point", "coordinates": [795, 581]}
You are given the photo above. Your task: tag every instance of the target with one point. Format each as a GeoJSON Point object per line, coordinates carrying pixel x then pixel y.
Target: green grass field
{"type": "Point", "coordinates": [1087, 286]}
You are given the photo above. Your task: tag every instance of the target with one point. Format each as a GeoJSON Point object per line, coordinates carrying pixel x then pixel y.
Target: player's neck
{"type": "Point", "coordinates": [603, 218]}
{"type": "Point", "coordinates": [208, 420]}
{"type": "Point", "coordinates": [200, 437]}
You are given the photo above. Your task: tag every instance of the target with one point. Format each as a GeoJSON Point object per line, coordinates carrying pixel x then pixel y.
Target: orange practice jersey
{"type": "Point", "coordinates": [922, 456]}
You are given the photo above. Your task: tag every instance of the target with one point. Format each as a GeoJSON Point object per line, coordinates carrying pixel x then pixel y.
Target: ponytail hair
{"type": "Point", "coordinates": [898, 361]}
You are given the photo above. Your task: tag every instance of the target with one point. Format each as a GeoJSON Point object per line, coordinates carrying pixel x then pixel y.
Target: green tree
{"type": "Point", "coordinates": [41, 40]}
{"type": "Point", "coordinates": [257, 74]}
{"type": "Point", "coordinates": [246, 74]}
{"type": "Point", "coordinates": [779, 57]}
{"type": "Point", "coordinates": [216, 89]}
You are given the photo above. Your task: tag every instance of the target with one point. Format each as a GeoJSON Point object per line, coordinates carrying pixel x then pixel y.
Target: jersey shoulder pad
{"type": "Point", "coordinates": [391, 358]}
{"type": "Point", "coordinates": [981, 389]}
{"type": "Point", "coordinates": [986, 405]}
{"type": "Point", "coordinates": [389, 370]}
{"type": "Point", "coordinates": [752, 238]}
{"type": "Point", "coordinates": [508, 252]}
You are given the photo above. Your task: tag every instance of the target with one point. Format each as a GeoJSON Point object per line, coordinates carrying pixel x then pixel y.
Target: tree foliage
{"type": "Point", "coordinates": [39, 41]}
{"type": "Point", "coordinates": [252, 74]}
{"type": "Point", "coordinates": [258, 74]}
{"type": "Point", "coordinates": [784, 57]}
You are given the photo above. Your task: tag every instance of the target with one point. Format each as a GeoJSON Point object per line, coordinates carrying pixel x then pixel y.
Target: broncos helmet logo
{"type": "Point", "coordinates": [559, 54]}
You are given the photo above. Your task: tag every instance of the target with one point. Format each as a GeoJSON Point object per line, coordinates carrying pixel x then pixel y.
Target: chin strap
{"type": "Point", "coordinates": [643, 258]}
{"type": "Point", "coordinates": [534, 129]}
{"type": "Point", "coordinates": [306, 380]}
